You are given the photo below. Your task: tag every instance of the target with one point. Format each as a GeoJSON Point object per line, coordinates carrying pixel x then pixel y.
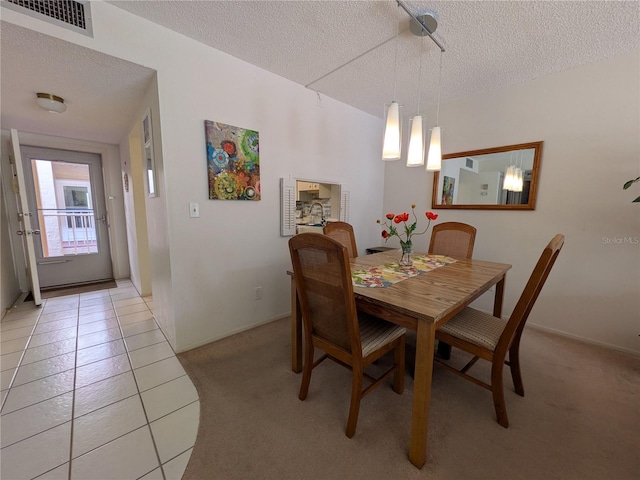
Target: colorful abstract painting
{"type": "Point", "coordinates": [233, 162]}
{"type": "Point", "coordinates": [448, 187]}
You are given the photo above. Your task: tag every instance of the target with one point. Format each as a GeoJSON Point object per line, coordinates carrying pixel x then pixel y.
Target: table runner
{"type": "Point", "coordinates": [390, 273]}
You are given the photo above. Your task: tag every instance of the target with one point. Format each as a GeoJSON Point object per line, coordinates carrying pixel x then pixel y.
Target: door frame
{"type": "Point", "coordinates": [57, 269]}
{"type": "Point", "coordinates": [112, 179]}
{"type": "Point", "coordinates": [25, 217]}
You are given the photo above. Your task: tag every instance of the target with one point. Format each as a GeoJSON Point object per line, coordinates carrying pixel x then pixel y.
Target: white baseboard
{"type": "Point", "coordinates": [233, 332]}
{"type": "Point", "coordinates": [635, 353]}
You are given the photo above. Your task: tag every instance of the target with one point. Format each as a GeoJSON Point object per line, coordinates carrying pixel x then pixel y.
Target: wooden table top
{"type": "Point", "coordinates": [434, 296]}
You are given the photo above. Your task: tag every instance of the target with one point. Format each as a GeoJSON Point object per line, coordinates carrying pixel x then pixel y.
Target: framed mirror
{"type": "Point", "coordinates": [500, 178]}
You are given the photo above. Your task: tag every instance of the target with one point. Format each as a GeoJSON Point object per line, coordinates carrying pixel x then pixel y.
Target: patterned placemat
{"type": "Point", "coordinates": [390, 273]}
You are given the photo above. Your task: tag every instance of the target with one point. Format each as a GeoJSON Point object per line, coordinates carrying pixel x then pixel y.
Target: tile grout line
{"type": "Point", "coordinates": [24, 351]}
{"type": "Point", "coordinates": [146, 416]}
{"type": "Point", "coordinates": [13, 378]}
{"type": "Point", "coordinates": [163, 383]}
{"type": "Point", "coordinates": [90, 363]}
{"type": "Point", "coordinates": [75, 329]}
{"type": "Point", "coordinates": [73, 399]}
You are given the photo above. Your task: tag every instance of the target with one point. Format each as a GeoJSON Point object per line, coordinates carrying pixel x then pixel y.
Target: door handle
{"type": "Point", "coordinates": [103, 218]}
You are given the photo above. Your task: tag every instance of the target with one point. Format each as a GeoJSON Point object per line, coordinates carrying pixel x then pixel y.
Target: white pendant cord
{"type": "Point", "coordinates": [420, 75]}
{"type": "Point", "coordinates": [439, 90]}
{"type": "Point", "coordinates": [395, 63]}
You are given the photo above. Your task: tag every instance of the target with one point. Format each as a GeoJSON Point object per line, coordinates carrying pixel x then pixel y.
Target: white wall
{"type": "Point", "coordinates": [205, 270]}
{"type": "Point", "coordinates": [153, 249]}
{"type": "Point", "coordinates": [9, 285]}
{"type": "Point", "coordinates": [589, 121]}
{"type": "Point", "coordinates": [135, 210]}
{"type": "Point", "coordinates": [217, 260]}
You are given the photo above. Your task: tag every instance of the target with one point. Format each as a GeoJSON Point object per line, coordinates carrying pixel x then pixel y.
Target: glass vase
{"type": "Point", "coordinates": [406, 260]}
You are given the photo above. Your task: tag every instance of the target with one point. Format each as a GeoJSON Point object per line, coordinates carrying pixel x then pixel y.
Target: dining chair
{"type": "Point", "coordinates": [453, 239]}
{"type": "Point", "coordinates": [491, 338]}
{"type": "Point", "coordinates": [332, 323]}
{"type": "Point", "coordinates": [343, 232]}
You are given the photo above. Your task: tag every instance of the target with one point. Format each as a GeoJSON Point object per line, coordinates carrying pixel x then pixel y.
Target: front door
{"type": "Point", "coordinates": [66, 192]}
{"type": "Point", "coordinates": [24, 218]}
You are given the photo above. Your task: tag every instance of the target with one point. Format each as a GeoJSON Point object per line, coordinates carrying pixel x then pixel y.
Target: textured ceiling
{"type": "Point", "coordinates": [489, 45]}
{"type": "Point", "coordinates": [100, 91]}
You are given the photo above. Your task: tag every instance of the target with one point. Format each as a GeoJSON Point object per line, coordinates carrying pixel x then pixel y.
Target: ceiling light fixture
{"type": "Point", "coordinates": [51, 103]}
{"type": "Point", "coordinates": [425, 25]}
{"type": "Point", "coordinates": [415, 154]}
{"type": "Point", "coordinates": [434, 158]}
{"type": "Point", "coordinates": [392, 139]}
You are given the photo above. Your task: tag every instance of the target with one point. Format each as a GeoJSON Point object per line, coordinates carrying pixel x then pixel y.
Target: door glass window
{"type": "Point", "coordinates": [64, 208]}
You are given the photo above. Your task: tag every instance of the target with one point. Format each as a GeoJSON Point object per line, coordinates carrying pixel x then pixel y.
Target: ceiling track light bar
{"type": "Point", "coordinates": [421, 24]}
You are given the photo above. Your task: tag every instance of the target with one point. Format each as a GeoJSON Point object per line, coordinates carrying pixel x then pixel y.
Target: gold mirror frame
{"type": "Point", "coordinates": [508, 149]}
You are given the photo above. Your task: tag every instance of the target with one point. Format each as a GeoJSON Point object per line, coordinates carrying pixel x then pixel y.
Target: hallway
{"type": "Point", "coordinates": [91, 389]}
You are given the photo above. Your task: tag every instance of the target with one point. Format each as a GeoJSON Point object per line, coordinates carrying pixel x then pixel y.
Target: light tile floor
{"type": "Point", "coordinates": [91, 389]}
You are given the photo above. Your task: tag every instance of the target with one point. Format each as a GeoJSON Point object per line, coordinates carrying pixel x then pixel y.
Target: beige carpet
{"type": "Point", "coordinates": [580, 418]}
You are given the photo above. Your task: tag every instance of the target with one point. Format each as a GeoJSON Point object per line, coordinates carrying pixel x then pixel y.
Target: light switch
{"type": "Point", "coordinates": [194, 210]}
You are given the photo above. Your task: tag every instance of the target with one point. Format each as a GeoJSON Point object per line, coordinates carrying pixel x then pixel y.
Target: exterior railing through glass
{"type": "Point", "coordinates": [68, 231]}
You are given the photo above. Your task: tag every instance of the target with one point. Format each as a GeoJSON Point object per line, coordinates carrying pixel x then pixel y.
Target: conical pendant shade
{"type": "Point", "coordinates": [391, 145]}
{"type": "Point", "coordinates": [434, 159]}
{"type": "Point", "coordinates": [415, 155]}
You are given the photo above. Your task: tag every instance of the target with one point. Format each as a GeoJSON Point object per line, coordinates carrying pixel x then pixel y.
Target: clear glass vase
{"type": "Point", "coordinates": [406, 260]}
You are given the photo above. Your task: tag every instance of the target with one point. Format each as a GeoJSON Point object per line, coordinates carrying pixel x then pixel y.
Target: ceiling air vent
{"type": "Point", "coordinates": [69, 14]}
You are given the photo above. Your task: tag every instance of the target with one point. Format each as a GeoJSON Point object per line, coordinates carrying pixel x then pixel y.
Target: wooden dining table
{"type": "Point", "coordinates": [421, 303]}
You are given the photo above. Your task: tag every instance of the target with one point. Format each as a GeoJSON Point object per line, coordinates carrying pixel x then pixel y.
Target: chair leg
{"type": "Point", "coordinates": [398, 361]}
{"type": "Point", "coordinates": [306, 372]}
{"type": "Point", "coordinates": [498, 393]}
{"type": "Point", "coordinates": [514, 363]}
{"type": "Point", "coordinates": [356, 395]}
{"type": "Point", "coordinates": [444, 350]}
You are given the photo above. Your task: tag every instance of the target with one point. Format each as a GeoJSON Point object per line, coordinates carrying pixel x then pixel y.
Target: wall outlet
{"type": "Point", "coordinates": [258, 293]}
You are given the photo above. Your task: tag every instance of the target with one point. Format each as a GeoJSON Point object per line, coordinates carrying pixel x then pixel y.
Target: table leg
{"type": "Point", "coordinates": [425, 339]}
{"type": "Point", "coordinates": [497, 300]}
{"type": "Point", "coordinates": [296, 330]}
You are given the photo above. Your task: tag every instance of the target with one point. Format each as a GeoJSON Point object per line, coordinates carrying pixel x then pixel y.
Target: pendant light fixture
{"type": "Point", "coordinates": [420, 25]}
{"type": "Point", "coordinates": [518, 183]}
{"type": "Point", "coordinates": [392, 138]}
{"type": "Point", "coordinates": [508, 179]}
{"type": "Point", "coordinates": [415, 154]}
{"type": "Point", "coordinates": [509, 175]}
{"type": "Point", "coordinates": [434, 158]}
